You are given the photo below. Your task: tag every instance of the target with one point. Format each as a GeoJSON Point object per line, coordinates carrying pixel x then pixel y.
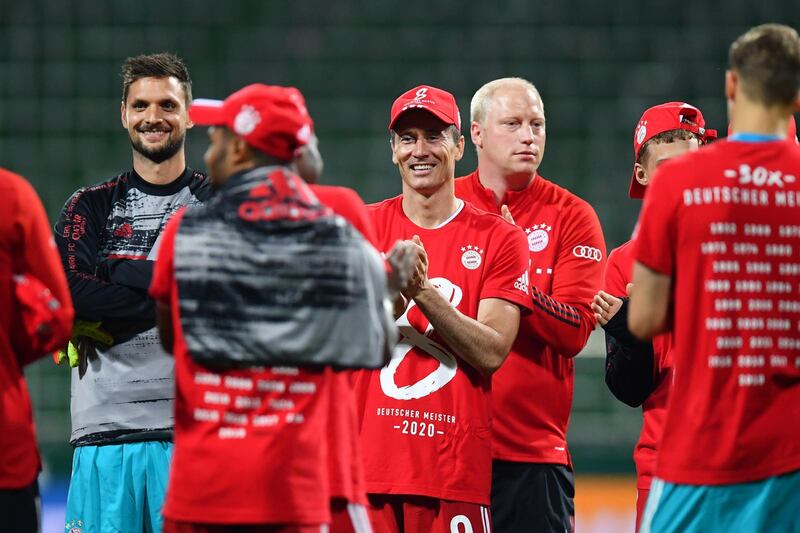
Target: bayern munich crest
{"type": "Point", "coordinates": [538, 237]}
{"type": "Point", "coordinates": [471, 257]}
{"type": "Point", "coordinates": [246, 120]}
{"type": "Point", "coordinates": [641, 132]}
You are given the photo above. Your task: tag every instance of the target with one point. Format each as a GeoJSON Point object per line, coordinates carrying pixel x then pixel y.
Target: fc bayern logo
{"type": "Point", "coordinates": [538, 240]}
{"type": "Point", "coordinates": [471, 257]}
{"type": "Point", "coordinates": [246, 120]}
{"type": "Point", "coordinates": [640, 134]}
{"type": "Point", "coordinates": [538, 237]}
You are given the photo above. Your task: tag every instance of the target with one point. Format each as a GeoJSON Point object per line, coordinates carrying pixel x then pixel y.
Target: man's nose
{"type": "Point", "coordinates": [152, 114]}
{"type": "Point", "coordinates": [420, 147]}
{"type": "Point", "coordinates": [526, 134]}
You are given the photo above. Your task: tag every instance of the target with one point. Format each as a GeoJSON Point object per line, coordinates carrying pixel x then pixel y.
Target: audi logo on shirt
{"type": "Point", "coordinates": [587, 252]}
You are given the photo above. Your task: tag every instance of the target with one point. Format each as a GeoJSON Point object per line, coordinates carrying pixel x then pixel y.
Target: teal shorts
{"type": "Point", "coordinates": [118, 488]}
{"type": "Point", "coordinates": [772, 504]}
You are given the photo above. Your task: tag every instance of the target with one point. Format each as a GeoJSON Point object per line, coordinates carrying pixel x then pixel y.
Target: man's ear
{"type": "Point", "coordinates": [122, 116]}
{"type": "Point", "coordinates": [240, 150]}
{"type": "Point", "coordinates": [475, 134]}
{"type": "Point", "coordinates": [460, 148]}
{"type": "Point", "coordinates": [392, 145]}
{"type": "Point", "coordinates": [641, 175]}
{"type": "Point", "coordinates": [731, 83]}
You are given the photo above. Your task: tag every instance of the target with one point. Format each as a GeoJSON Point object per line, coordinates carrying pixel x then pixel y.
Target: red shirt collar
{"type": "Point", "coordinates": [511, 197]}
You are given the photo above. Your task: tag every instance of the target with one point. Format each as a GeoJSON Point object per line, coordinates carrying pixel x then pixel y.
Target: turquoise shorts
{"type": "Point", "coordinates": [772, 504]}
{"type": "Point", "coordinates": [118, 488]}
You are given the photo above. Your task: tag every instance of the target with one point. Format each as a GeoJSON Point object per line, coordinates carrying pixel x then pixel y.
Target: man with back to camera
{"type": "Point", "coordinates": [426, 430]}
{"type": "Point", "coordinates": [122, 386]}
{"type": "Point", "coordinates": [532, 479]}
{"type": "Point", "coordinates": [640, 373]}
{"type": "Point", "coordinates": [715, 264]}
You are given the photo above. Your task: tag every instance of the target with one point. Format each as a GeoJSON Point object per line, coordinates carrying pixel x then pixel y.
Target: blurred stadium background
{"type": "Point", "coordinates": [598, 65]}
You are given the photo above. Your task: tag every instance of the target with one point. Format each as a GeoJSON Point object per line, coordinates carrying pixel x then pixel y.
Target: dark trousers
{"type": "Point", "coordinates": [532, 498]}
{"type": "Point", "coordinates": [19, 509]}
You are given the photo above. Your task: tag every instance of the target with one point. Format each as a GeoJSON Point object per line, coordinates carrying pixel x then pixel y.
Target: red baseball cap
{"type": "Point", "coordinates": [272, 119]}
{"type": "Point", "coordinates": [791, 133]}
{"type": "Point", "coordinates": [661, 118]}
{"type": "Point", "coordinates": [439, 102]}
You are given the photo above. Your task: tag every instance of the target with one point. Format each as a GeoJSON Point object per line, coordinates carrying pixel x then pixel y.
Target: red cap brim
{"type": "Point", "coordinates": [207, 112]}
{"type": "Point", "coordinates": [433, 111]}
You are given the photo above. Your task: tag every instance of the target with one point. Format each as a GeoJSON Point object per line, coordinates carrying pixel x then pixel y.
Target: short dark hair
{"type": "Point", "coordinates": [161, 65]}
{"type": "Point", "coordinates": [666, 137]}
{"type": "Point", "coordinates": [767, 60]}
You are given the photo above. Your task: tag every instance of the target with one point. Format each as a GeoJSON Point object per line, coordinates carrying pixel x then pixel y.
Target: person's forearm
{"type": "Point", "coordinates": [134, 273]}
{"type": "Point", "coordinates": [629, 371]}
{"type": "Point", "coordinates": [94, 299]}
{"type": "Point", "coordinates": [647, 316]}
{"type": "Point", "coordinates": [477, 344]}
{"type": "Point", "coordinates": [563, 327]}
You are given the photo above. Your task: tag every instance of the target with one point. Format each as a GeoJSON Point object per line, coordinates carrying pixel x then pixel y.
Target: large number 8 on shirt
{"type": "Point", "coordinates": [412, 338]}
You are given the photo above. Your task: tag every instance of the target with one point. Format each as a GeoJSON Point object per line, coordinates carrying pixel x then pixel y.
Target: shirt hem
{"type": "Point", "coordinates": [712, 477]}
{"type": "Point", "coordinates": [232, 516]}
{"type": "Point", "coordinates": [526, 458]}
{"type": "Point", "coordinates": [416, 490]}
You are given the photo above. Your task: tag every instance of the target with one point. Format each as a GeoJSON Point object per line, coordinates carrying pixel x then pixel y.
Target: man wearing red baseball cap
{"type": "Point", "coordinates": [426, 434]}
{"type": "Point", "coordinates": [640, 373]}
{"type": "Point", "coordinates": [259, 293]}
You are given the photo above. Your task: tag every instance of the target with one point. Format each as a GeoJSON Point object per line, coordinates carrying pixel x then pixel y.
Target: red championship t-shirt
{"type": "Point", "coordinates": [426, 420]}
{"type": "Point", "coordinates": [619, 272]}
{"type": "Point", "coordinates": [724, 223]}
{"type": "Point", "coordinates": [249, 443]}
{"type": "Point", "coordinates": [532, 391]}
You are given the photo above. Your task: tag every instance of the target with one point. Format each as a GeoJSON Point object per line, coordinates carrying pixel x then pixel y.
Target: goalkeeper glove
{"type": "Point", "coordinates": [82, 328]}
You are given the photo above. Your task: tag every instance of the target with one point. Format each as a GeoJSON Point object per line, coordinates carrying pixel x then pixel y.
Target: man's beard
{"type": "Point", "coordinates": [161, 153]}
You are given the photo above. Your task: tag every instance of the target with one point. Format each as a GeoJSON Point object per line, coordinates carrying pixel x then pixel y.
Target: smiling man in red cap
{"type": "Point", "coordinates": [426, 433]}
{"type": "Point", "coordinates": [640, 373]}
{"type": "Point", "coordinates": [259, 293]}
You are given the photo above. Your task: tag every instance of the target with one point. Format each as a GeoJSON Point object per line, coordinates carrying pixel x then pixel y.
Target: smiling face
{"type": "Point", "coordinates": [155, 116]}
{"type": "Point", "coordinates": [511, 136]}
{"type": "Point", "coordinates": [424, 150]}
